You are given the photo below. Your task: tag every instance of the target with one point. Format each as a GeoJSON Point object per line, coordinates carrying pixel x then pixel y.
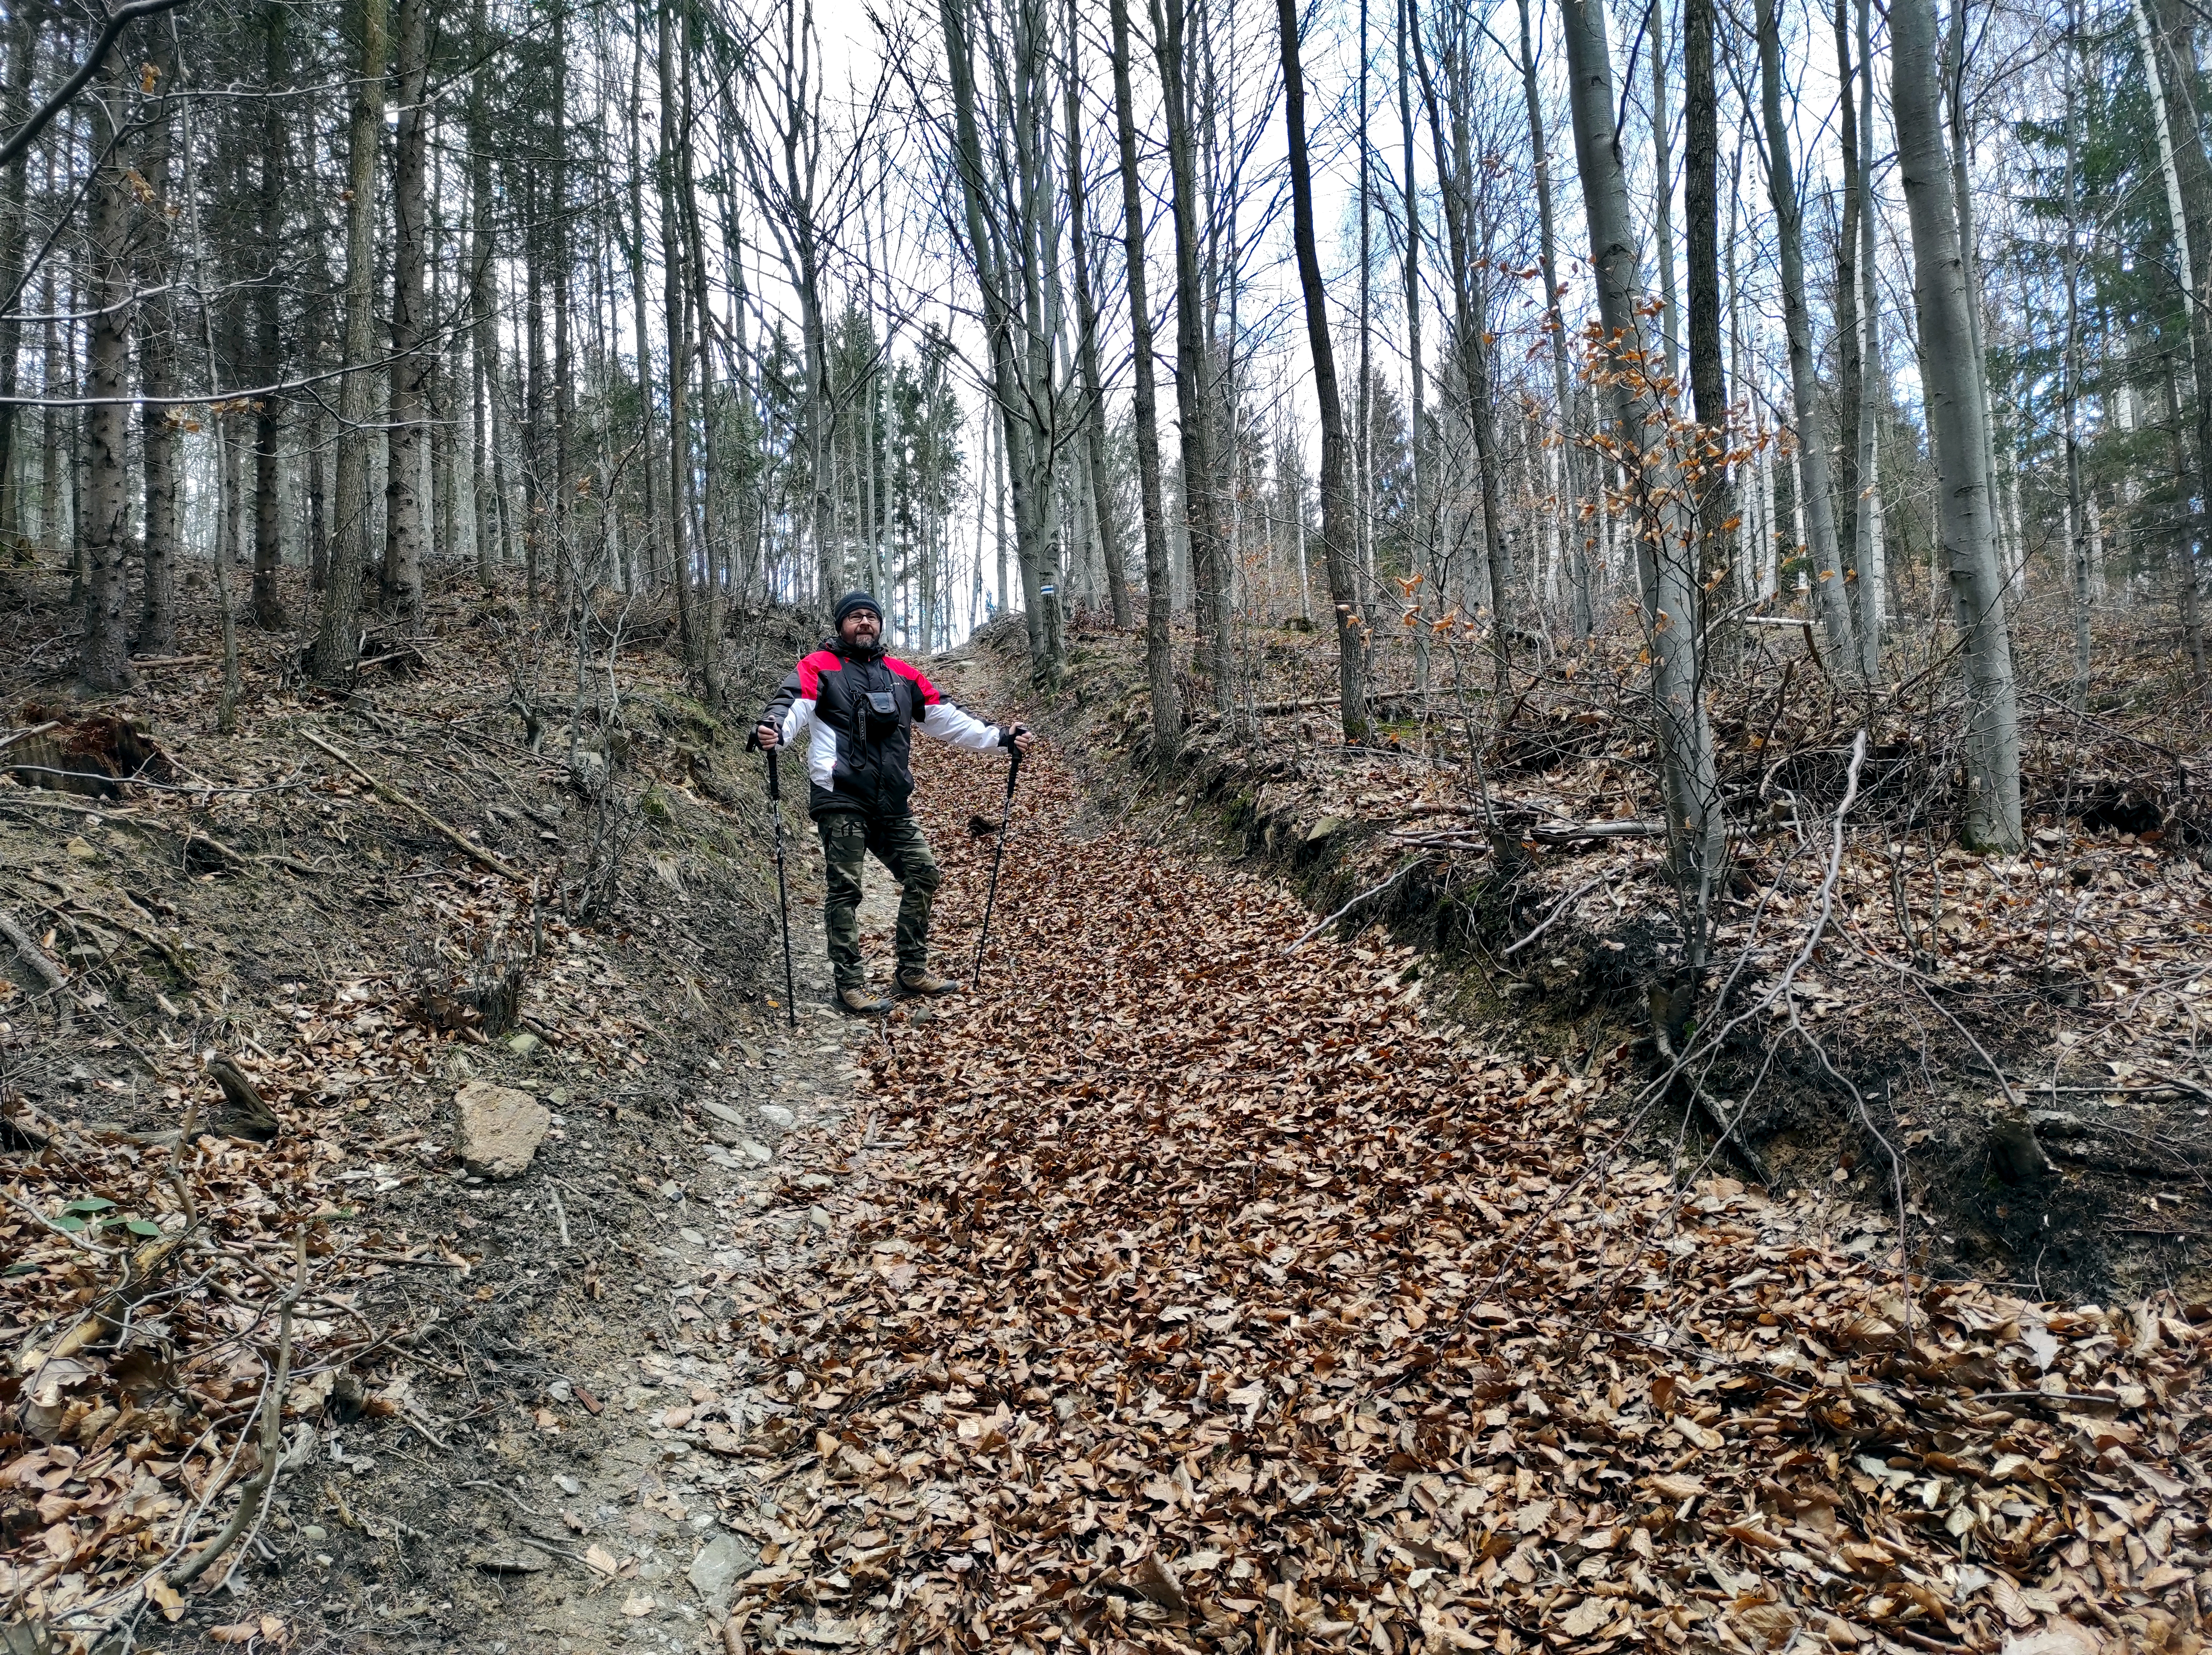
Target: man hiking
{"type": "Point", "coordinates": [850, 707]}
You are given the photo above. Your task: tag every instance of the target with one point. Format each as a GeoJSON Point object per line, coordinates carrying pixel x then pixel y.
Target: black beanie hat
{"type": "Point", "coordinates": [853, 600]}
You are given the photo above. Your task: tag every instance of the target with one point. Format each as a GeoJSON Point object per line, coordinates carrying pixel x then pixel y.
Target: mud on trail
{"type": "Point", "coordinates": [1179, 1290]}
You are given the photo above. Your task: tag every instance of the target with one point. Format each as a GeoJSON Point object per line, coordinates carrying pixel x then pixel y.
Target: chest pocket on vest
{"type": "Point", "coordinates": [880, 710]}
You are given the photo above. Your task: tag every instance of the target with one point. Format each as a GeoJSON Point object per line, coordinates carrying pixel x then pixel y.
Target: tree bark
{"type": "Point", "coordinates": [1087, 349]}
{"type": "Point", "coordinates": [1159, 597]}
{"type": "Point", "coordinates": [404, 534]}
{"type": "Point", "coordinates": [157, 368]}
{"type": "Point", "coordinates": [268, 548]}
{"type": "Point", "coordinates": [1555, 324]}
{"type": "Point", "coordinates": [104, 661]}
{"type": "Point", "coordinates": [1850, 388]}
{"type": "Point", "coordinates": [2173, 62]}
{"type": "Point", "coordinates": [1456, 167]}
{"type": "Point", "coordinates": [337, 640]}
{"type": "Point", "coordinates": [1701, 204]}
{"type": "Point", "coordinates": [1955, 411]}
{"type": "Point", "coordinates": [14, 232]}
{"type": "Point", "coordinates": [1666, 532]}
{"type": "Point", "coordinates": [1335, 531]}
{"type": "Point", "coordinates": [1208, 562]}
{"type": "Point", "coordinates": [1816, 498]}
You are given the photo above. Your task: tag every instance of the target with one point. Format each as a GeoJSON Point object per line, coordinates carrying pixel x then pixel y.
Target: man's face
{"type": "Point", "coordinates": [862, 629]}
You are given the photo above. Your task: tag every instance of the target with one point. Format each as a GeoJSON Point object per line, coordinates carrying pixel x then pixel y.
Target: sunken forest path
{"type": "Point", "coordinates": [1179, 1292]}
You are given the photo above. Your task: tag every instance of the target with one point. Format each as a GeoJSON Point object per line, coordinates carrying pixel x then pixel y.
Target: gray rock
{"type": "Point", "coordinates": [525, 1045]}
{"type": "Point", "coordinates": [722, 1112]}
{"type": "Point", "coordinates": [721, 1562]}
{"type": "Point", "coordinates": [500, 1128]}
{"type": "Point", "coordinates": [759, 1154]}
{"type": "Point", "coordinates": [776, 1115]}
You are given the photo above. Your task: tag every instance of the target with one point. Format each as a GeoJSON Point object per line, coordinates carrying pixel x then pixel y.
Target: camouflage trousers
{"type": "Point", "coordinates": [848, 837]}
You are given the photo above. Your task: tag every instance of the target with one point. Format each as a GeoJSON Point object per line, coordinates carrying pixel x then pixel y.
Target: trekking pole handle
{"type": "Point", "coordinates": [775, 782]}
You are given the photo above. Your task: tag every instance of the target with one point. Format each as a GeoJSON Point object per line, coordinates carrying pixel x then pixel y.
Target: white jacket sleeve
{"type": "Point", "coordinates": [947, 723]}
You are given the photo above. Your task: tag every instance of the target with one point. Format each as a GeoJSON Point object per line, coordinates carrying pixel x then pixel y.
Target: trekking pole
{"type": "Point", "coordinates": [997, 856]}
{"type": "Point", "coordinates": [782, 893]}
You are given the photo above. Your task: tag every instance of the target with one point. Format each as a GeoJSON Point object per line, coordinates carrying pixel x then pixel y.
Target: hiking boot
{"type": "Point", "coordinates": [862, 1002]}
{"type": "Point", "coordinates": [921, 980]}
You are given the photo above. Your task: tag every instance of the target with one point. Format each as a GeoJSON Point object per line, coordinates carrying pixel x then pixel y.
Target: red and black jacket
{"type": "Point", "coordinates": [856, 714]}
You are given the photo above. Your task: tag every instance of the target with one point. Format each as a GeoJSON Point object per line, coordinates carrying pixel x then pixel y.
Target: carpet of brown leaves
{"type": "Point", "coordinates": [1198, 1295]}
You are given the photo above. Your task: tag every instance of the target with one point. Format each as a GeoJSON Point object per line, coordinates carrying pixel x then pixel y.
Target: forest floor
{"type": "Point", "coordinates": [1183, 1289]}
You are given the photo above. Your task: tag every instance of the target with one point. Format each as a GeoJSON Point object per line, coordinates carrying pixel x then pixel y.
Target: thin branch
{"type": "Point", "coordinates": [28, 134]}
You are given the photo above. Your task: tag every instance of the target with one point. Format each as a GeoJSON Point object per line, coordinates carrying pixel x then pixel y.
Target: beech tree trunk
{"type": "Point", "coordinates": [1086, 350]}
{"type": "Point", "coordinates": [1644, 439]}
{"type": "Point", "coordinates": [1580, 537]}
{"type": "Point", "coordinates": [1966, 515]}
{"type": "Point", "coordinates": [1817, 497]}
{"type": "Point", "coordinates": [1201, 507]}
{"type": "Point", "coordinates": [1159, 596]}
{"type": "Point", "coordinates": [1701, 204]}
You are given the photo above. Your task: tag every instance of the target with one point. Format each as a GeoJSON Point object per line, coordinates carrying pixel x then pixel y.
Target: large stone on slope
{"type": "Point", "coordinates": [500, 1128]}
{"type": "Point", "coordinates": [721, 1562]}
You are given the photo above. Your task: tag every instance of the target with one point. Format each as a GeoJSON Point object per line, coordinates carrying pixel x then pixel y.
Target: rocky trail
{"type": "Point", "coordinates": [1196, 1284]}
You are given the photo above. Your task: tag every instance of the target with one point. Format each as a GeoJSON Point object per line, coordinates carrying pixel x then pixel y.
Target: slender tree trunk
{"type": "Point", "coordinates": [1868, 552]}
{"type": "Point", "coordinates": [1817, 498]}
{"type": "Point", "coordinates": [1955, 411]}
{"type": "Point", "coordinates": [2172, 63]}
{"type": "Point", "coordinates": [1159, 597]}
{"type": "Point", "coordinates": [1851, 392]}
{"type": "Point", "coordinates": [676, 317]}
{"type": "Point", "coordinates": [1701, 203]}
{"type": "Point", "coordinates": [1670, 310]}
{"type": "Point", "coordinates": [1456, 167]}
{"type": "Point", "coordinates": [104, 661]}
{"type": "Point", "coordinates": [1417, 415]}
{"type": "Point", "coordinates": [1666, 532]}
{"type": "Point", "coordinates": [2077, 523]}
{"type": "Point", "coordinates": [1086, 316]}
{"type": "Point", "coordinates": [1208, 563]}
{"type": "Point", "coordinates": [402, 582]}
{"type": "Point", "coordinates": [1555, 325]}
{"type": "Point", "coordinates": [1335, 531]}
{"type": "Point", "coordinates": [14, 232]}
{"type": "Point", "coordinates": [157, 366]}
{"type": "Point", "coordinates": [337, 641]}
{"type": "Point", "coordinates": [268, 548]}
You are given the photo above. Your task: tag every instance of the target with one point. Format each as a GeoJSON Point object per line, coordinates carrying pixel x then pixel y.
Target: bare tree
{"type": "Point", "coordinates": [1335, 531]}
{"type": "Point", "coordinates": [1956, 408]}
{"type": "Point", "coordinates": [1159, 598]}
{"type": "Point", "coordinates": [337, 640]}
{"type": "Point", "coordinates": [1646, 445]}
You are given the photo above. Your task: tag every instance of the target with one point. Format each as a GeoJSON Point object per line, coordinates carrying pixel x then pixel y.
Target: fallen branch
{"type": "Point", "coordinates": [42, 966]}
{"type": "Point", "coordinates": [10, 739]}
{"type": "Point", "coordinates": [1558, 910]}
{"type": "Point", "coordinates": [256, 1493]}
{"type": "Point", "coordinates": [461, 842]}
{"type": "Point", "coordinates": [1372, 890]}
